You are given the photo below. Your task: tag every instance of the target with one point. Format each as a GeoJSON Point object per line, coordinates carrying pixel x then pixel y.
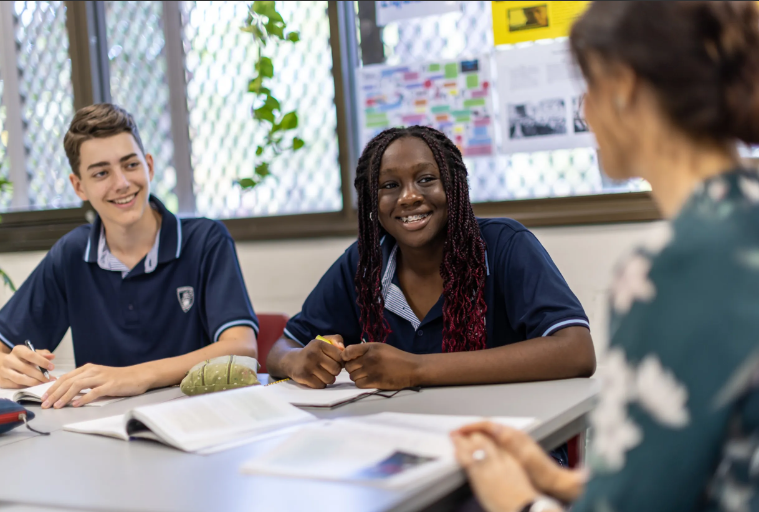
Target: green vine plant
{"type": "Point", "coordinates": [4, 185]}
{"type": "Point", "coordinates": [266, 25]}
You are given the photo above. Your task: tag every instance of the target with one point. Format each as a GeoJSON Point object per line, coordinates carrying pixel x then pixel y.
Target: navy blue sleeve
{"type": "Point", "coordinates": [37, 311]}
{"type": "Point", "coordinates": [538, 299]}
{"type": "Point", "coordinates": [330, 307]}
{"type": "Point", "coordinates": [225, 298]}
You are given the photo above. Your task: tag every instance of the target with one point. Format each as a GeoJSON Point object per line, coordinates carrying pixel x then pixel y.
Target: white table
{"type": "Point", "coordinates": [84, 472]}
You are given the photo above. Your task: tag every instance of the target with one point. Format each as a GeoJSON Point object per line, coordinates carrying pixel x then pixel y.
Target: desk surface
{"type": "Point", "coordinates": [97, 473]}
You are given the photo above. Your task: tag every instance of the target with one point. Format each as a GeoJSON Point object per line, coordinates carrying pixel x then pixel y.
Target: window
{"type": "Point", "coordinates": [223, 133]}
{"type": "Point", "coordinates": [182, 69]}
{"type": "Point", "coordinates": [43, 90]}
{"type": "Point", "coordinates": [469, 33]}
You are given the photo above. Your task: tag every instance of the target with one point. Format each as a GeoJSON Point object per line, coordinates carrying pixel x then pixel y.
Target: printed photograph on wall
{"type": "Point", "coordinates": [533, 119]}
{"type": "Point", "coordinates": [525, 18]}
{"type": "Point", "coordinates": [578, 116]}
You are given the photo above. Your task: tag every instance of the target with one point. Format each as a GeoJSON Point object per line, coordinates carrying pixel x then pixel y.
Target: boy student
{"type": "Point", "coordinates": [147, 295]}
{"type": "Point", "coordinates": [440, 297]}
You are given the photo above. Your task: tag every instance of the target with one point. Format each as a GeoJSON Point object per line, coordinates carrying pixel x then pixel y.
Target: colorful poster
{"type": "Point", "coordinates": [452, 96]}
{"type": "Point", "coordinates": [388, 12]}
{"type": "Point", "coordinates": [540, 94]}
{"type": "Point", "coordinates": [517, 22]}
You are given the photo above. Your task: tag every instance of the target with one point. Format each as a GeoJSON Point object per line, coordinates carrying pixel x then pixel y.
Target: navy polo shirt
{"type": "Point", "coordinates": [181, 303]}
{"type": "Point", "coordinates": [526, 296]}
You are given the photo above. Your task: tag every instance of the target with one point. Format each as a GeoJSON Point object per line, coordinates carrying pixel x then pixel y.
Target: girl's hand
{"type": "Point", "coordinates": [547, 477]}
{"type": "Point", "coordinates": [377, 365]}
{"type": "Point", "coordinates": [498, 480]}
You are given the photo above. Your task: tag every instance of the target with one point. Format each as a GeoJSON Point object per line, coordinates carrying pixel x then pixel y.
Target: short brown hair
{"type": "Point", "coordinates": [97, 121]}
{"type": "Point", "coordinates": [701, 58]}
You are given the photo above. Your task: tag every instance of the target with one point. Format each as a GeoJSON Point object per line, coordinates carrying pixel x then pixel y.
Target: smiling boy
{"type": "Point", "coordinates": [146, 295]}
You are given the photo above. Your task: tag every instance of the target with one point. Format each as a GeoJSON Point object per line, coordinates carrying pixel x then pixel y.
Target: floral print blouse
{"type": "Point", "coordinates": [677, 423]}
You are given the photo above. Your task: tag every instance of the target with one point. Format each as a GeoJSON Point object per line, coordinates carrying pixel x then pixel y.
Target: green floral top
{"type": "Point", "coordinates": [677, 424]}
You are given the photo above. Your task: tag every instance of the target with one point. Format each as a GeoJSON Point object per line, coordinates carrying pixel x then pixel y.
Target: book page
{"type": "Point", "coordinates": [342, 390]}
{"type": "Point", "coordinates": [438, 423]}
{"type": "Point", "coordinates": [34, 394]}
{"type": "Point", "coordinates": [359, 453]}
{"type": "Point", "coordinates": [208, 420]}
{"type": "Point", "coordinates": [111, 426]}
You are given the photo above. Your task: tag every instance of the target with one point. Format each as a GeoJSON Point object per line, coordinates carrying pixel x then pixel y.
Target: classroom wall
{"type": "Point", "coordinates": [279, 274]}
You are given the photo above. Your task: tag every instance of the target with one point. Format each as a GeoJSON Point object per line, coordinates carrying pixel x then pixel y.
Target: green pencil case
{"type": "Point", "coordinates": [220, 374]}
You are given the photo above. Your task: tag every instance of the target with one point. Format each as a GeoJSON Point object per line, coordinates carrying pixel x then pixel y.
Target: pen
{"type": "Point", "coordinates": [31, 347]}
{"type": "Point", "coordinates": [322, 338]}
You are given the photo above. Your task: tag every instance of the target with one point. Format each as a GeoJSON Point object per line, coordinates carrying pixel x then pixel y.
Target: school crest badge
{"type": "Point", "coordinates": [186, 296]}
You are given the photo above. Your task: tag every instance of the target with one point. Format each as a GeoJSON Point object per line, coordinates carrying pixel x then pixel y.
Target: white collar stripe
{"type": "Point", "coordinates": [395, 300]}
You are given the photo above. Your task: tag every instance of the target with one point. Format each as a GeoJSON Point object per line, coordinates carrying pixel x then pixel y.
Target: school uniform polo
{"type": "Point", "coordinates": [181, 297]}
{"type": "Point", "coordinates": [525, 294]}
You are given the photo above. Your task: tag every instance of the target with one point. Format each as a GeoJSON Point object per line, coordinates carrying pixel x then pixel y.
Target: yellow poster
{"type": "Point", "coordinates": [516, 22]}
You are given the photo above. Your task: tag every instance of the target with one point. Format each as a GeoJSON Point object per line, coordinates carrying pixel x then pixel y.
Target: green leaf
{"type": "Point", "coordinates": [298, 143]}
{"type": "Point", "coordinates": [272, 103]}
{"type": "Point", "coordinates": [259, 150]}
{"type": "Point", "coordinates": [293, 36]}
{"type": "Point", "coordinates": [265, 67]}
{"type": "Point", "coordinates": [275, 16]}
{"type": "Point", "coordinates": [7, 280]}
{"type": "Point", "coordinates": [264, 114]}
{"type": "Point", "coordinates": [276, 29]}
{"type": "Point", "coordinates": [289, 121]}
{"type": "Point", "coordinates": [246, 183]}
{"type": "Point", "coordinates": [262, 169]}
{"type": "Point", "coordinates": [254, 86]}
{"type": "Point", "coordinates": [263, 7]}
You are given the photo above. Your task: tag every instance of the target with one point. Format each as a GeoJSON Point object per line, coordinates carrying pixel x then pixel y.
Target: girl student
{"type": "Point", "coordinates": [429, 294]}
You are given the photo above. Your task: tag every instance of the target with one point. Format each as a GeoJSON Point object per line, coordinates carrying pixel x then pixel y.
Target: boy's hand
{"type": "Point", "coordinates": [317, 364]}
{"type": "Point", "coordinates": [19, 369]}
{"type": "Point", "coordinates": [101, 380]}
{"type": "Point", "coordinates": [377, 365]}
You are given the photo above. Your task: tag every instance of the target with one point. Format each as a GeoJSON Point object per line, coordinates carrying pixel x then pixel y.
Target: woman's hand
{"type": "Point", "coordinates": [498, 480]}
{"type": "Point", "coordinates": [546, 476]}
{"type": "Point", "coordinates": [317, 364]}
{"type": "Point", "coordinates": [377, 365]}
{"type": "Point", "coordinates": [101, 380]}
{"type": "Point", "coordinates": [20, 368]}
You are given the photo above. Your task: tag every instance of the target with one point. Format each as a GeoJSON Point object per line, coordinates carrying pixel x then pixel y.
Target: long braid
{"type": "Point", "coordinates": [463, 268]}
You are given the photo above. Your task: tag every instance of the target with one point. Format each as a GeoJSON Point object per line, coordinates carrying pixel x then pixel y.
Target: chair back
{"type": "Point", "coordinates": [271, 328]}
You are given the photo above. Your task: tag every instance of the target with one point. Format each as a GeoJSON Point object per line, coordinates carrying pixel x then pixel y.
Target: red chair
{"type": "Point", "coordinates": [271, 327]}
{"type": "Point", "coordinates": [576, 451]}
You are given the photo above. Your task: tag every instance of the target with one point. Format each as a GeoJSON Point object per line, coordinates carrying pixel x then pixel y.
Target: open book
{"type": "Point", "coordinates": [391, 450]}
{"type": "Point", "coordinates": [343, 391]}
{"type": "Point", "coordinates": [201, 423]}
{"type": "Point", "coordinates": [34, 394]}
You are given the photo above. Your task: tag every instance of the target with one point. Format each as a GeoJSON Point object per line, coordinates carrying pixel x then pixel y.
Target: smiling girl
{"type": "Point", "coordinates": [438, 296]}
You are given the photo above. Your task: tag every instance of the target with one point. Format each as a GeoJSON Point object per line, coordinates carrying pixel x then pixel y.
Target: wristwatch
{"type": "Point", "coordinates": [543, 504]}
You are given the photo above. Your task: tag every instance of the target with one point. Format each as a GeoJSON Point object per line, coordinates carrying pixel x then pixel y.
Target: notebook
{"type": "Point", "coordinates": [201, 423]}
{"type": "Point", "coordinates": [391, 450]}
{"type": "Point", "coordinates": [343, 391]}
{"type": "Point", "coordinates": [34, 394]}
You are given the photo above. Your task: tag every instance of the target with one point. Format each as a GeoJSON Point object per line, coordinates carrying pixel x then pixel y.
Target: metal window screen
{"type": "Point", "coordinates": [134, 31]}
{"type": "Point", "coordinates": [5, 197]}
{"type": "Point", "coordinates": [223, 134]}
{"type": "Point", "coordinates": [516, 176]}
{"type": "Point", "coordinates": [46, 100]}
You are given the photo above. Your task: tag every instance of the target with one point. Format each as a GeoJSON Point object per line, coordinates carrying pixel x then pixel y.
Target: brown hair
{"type": "Point", "coordinates": [702, 59]}
{"type": "Point", "coordinates": [96, 121]}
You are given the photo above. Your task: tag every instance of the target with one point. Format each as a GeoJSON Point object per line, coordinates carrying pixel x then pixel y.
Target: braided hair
{"type": "Point", "coordinates": [463, 268]}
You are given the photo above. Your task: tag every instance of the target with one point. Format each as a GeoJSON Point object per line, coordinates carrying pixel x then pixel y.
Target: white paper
{"type": "Point", "coordinates": [540, 94]}
{"type": "Point", "coordinates": [34, 394]}
{"type": "Point", "coordinates": [387, 12]}
{"type": "Point", "coordinates": [111, 426]}
{"type": "Point", "coordinates": [453, 96]}
{"type": "Point", "coordinates": [293, 393]}
{"type": "Point", "coordinates": [201, 422]}
{"type": "Point", "coordinates": [387, 449]}
{"type": "Point", "coordinates": [358, 453]}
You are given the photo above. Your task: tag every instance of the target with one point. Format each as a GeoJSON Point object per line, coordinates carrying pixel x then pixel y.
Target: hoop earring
{"type": "Point", "coordinates": [370, 215]}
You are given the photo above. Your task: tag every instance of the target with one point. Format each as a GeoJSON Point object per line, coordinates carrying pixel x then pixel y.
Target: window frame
{"type": "Point", "coordinates": [85, 22]}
